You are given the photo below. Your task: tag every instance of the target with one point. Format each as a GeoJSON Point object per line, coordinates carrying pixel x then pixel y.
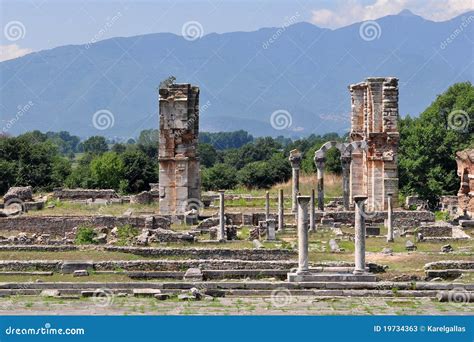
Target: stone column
{"type": "Point", "coordinates": [346, 166]}
{"type": "Point", "coordinates": [281, 211]}
{"type": "Point", "coordinates": [221, 231]}
{"type": "Point", "coordinates": [267, 205]}
{"type": "Point", "coordinates": [359, 228]}
{"type": "Point", "coordinates": [303, 202]}
{"type": "Point", "coordinates": [320, 174]}
{"type": "Point", "coordinates": [295, 160]}
{"type": "Point", "coordinates": [312, 223]}
{"type": "Point", "coordinates": [389, 218]}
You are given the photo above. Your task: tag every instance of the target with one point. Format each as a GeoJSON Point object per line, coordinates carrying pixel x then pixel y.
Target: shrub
{"type": "Point", "coordinates": [85, 236]}
{"type": "Point", "coordinates": [126, 234]}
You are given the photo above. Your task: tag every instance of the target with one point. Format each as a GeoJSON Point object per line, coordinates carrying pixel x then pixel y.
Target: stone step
{"type": "Point", "coordinates": [331, 277]}
{"type": "Point", "coordinates": [236, 285]}
{"type": "Point", "coordinates": [331, 293]}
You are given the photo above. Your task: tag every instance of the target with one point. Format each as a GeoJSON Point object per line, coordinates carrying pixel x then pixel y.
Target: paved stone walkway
{"type": "Point", "coordinates": [278, 305]}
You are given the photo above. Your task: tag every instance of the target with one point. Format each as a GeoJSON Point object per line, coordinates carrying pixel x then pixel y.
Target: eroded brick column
{"type": "Point", "coordinates": [179, 178]}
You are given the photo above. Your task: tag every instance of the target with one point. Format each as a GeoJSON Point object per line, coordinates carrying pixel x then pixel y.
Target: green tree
{"type": "Point", "coordinates": [138, 170]}
{"type": "Point", "coordinates": [220, 176]}
{"type": "Point", "coordinates": [428, 144]}
{"type": "Point", "coordinates": [207, 154]}
{"type": "Point", "coordinates": [95, 145]}
{"type": "Point", "coordinates": [107, 170]}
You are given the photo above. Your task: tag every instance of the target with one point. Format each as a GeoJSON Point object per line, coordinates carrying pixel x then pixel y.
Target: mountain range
{"type": "Point", "coordinates": [299, 72]}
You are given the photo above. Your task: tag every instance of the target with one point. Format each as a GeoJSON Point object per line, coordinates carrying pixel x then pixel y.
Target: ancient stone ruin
{"type": "Point", "coordinates": [465, 161]}
{"type": "Point", "coordinates": [374, 119]}
{"type": "Point", "coordinates": [179, 187]}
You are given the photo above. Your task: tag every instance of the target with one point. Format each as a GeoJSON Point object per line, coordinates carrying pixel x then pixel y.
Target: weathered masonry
{"type": "Point", "coordinates": [374, 119]}
{"type": "Point", "coordinates": [465, 161]}
{"type": "Point", "coordinates": [178, 155]}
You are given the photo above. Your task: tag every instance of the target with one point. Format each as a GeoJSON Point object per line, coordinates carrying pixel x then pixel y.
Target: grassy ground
{"type": "Point", "coordinates": [294, 305]}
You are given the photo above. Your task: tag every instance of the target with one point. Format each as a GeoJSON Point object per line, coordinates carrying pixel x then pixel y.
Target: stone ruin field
{"type": "Point", "coordinates": [180, 268]}
{"type": "Point", "coordinates": [319, 244]}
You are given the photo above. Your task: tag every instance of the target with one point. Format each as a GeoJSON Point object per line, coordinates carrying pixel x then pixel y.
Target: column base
{"type": "Point", "coordinates": [330, 277]}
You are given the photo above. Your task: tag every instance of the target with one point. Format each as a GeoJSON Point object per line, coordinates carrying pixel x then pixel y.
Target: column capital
{"type": "Point", "coordinates": [295, 158]}
{"type": "Point", "coordinates": [303, 199]}
{"type": "Point", "coordinates": [360, 198]}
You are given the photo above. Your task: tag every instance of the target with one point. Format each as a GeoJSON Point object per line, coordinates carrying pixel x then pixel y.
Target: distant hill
{"type": "Point", "coordinates": [244, 77]}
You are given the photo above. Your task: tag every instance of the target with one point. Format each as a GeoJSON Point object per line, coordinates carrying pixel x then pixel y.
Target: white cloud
{"type": "Point", "coordinates": [353, 11]}
{"type": "Point", "coordinates": [12, 51]}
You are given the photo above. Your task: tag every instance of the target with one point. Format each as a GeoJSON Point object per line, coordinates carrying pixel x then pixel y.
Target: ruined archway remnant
{"type": "Point", "coordinates": [178, 154]}
{"type": "Point", "coordinates": [345, 150]}
{"type": "Point", "coordinates": [374, 119]}
{"type": "Point", "coordinates": [465, 163]}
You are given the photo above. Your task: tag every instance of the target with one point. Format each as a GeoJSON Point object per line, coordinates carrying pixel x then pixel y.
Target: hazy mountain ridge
{"type": "Point", "coordinates": [304, 71]}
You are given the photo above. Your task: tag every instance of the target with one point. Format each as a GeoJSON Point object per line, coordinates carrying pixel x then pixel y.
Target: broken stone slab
{"type": "Point", "coordinates": [372, 231]}
{"type": "Point", "coordinates": [162, 296]}
{"type": "Point", "coordinates": [196, 293]}
{"type": "Point", "coordinates": [334, 246]}
{"type": "Point", "coordinates": [410, 246]}
{"type": "Point", "coordinates": [50, 293]}
{"type": "Point", "coordinates": [71, 266]}
{"type": "Point", "coordinates": [22, 193]}
{"type": "Point", "coordinates": [387, 251]}
{"type": "Point", "coordinates": [447, 249]}
{"type": "Point", "coordinates": [80, 273]}
{"type": "Point", "coordinates": [257, 244]}
{"type": "Point", "coordinates": [193, 274]}
{"type": "Point", "coordinates": [146, 292]}
{"type": "Point", "coordinates": [186, 297]}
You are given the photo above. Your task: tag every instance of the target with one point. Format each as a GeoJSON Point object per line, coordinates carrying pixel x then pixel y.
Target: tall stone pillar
{"type": "Point", "coordinates": [221, 232]}
{"type": "Point", "coordinates": [295, 160]}
{"type": "Point", "coordinates": [389, 218]}
{"type": "Point", "coordinates": [320, 174]}
{"type": "Point", "coordinates": [359, 235]}
{"type": "Point", "coordinates": [346, 166]}
{"type": "Point", "coordinates": [303, 264]}
{"type": "Point", "coordinates": [281, 211]}
{"type": "Point", "coordinates": [312, 223]}
{"type": "Point", "coordinates": [267, 205]}
{"type": "Point", "coordinates": [374, 119]}
{"type": "Point", "coordinates": [180, 186]}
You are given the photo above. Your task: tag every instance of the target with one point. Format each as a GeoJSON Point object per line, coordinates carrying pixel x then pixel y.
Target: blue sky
{"type": "Point", "coordinates": [44, 24]}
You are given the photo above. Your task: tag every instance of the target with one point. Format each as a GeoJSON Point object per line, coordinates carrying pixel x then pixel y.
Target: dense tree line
{"type": "Point", "coordinates": [229, 159]}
